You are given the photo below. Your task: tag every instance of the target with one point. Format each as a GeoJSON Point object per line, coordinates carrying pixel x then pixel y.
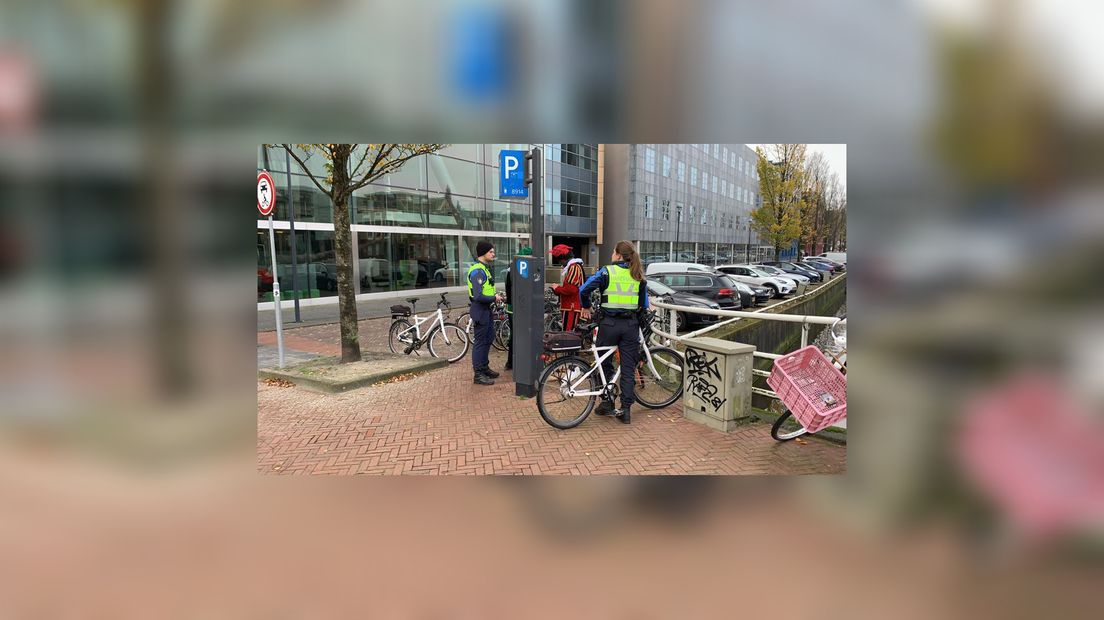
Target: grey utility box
{"type": "Point", "coordinates": [717, 382]}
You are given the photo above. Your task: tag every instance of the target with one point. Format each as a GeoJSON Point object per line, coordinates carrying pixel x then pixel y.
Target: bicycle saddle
{"type": "Point", "coordinates": [413, 300]}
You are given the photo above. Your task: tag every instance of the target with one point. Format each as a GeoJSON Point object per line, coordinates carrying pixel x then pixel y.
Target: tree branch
{"type": "Point", "coordinates": [310, 174]}
{"type": "Point", "coordinates": [360, 163]}
{"type": "Point", "coordinates": [371, 174]}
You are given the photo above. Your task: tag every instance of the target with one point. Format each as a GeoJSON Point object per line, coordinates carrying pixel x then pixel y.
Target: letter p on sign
{"type": "Point", "coordinates": [511, 175]}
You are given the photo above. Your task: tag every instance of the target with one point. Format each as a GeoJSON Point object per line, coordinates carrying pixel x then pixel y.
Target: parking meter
{"type": "Point", "coordinates": [527, 298]}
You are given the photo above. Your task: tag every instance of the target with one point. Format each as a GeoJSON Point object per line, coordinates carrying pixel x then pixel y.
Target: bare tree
{"type": "Point", "coordinates": [350, 167]}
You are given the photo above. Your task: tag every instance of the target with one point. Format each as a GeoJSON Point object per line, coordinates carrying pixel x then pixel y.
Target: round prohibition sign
{"type": "Point", "coordinates": [266, 193]}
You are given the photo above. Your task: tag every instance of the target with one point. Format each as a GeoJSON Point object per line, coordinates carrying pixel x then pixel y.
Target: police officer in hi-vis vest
{"type": "Point", "coordinates": [481, 294]}
{"type": "Point", "coordinates": [624, 298]}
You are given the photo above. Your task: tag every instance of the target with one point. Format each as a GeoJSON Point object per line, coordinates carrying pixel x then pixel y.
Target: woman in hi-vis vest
{"type": "Point", "coordinates": [624, 298]}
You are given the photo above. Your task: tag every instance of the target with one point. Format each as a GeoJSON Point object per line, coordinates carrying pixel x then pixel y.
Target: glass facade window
{"type": "Point", "coordinates": [705, 180]}
{"type": "Point", "coordinates": [725, 157]}
{"type": "Point", "coordinates": [714, 185]}
{"type": "Point", "coordinates": [682, 172]}
{"type": "Point", "coordinates": [731, 189]}
{"type": "Point", "coordinates": [315, 269]}
{"type": "Point", "coordinates": [665, 210]}
{"type": "Point", "coordinates": [716, 151]}
{"type": "Point", "coordinates": [679, 208]}
{"type": "Point", "coordinates": [666, 165]}
{"type": "Point", "coordinates": [649, 159]}
{"type": "Point", "coordinates": [704, 216]}
{"type": "Point", "coordinates": [649, 206]}
{"type": "Point", "coordinates": [454, 176]}
{"type": "Point", "coordinates": [653, 252]}
{"type": "Point", "coordinates": [693, 176]}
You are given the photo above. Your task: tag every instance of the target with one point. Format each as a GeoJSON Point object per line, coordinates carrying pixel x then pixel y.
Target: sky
{"type": "Point", "coordinates": [836, 154]}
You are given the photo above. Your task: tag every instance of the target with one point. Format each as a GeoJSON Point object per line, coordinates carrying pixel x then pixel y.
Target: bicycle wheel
{"type": "Point", "coordinates": [502, 335]}
{"type": "Point", "coordinates": [450, 343]}
{"type": "Point", "coordinates": [553, 323]}
{"type": "Point", "coordinates": [556, 406]}
{"type": "Point", "coordinates": [465, 324]}
{"type": "Point", "coordinates": [664, 386]}
{"type": "Point", "coordinates": [776, 428]}
{"type": "Point", "coordinates": [396, 343]}
{"type": "Point", "coordinates": [497, 342]}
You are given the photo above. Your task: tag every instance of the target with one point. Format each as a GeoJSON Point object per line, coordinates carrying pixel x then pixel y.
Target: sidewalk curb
{"type": "Point", "coordinates": [336, 387]}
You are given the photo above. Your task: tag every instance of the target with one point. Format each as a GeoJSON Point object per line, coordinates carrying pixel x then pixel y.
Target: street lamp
{"type": "Point", "coordinates": [747, 248]}
{"type": "Point", "coordinates": [678, 225]}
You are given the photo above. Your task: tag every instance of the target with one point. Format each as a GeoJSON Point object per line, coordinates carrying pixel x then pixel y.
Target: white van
{"type": "Point", "coordinates": [676, 268]}
{"type": "Point", "coordinates": [839, 257]}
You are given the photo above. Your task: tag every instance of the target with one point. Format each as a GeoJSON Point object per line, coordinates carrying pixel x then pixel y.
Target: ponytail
{"type": "Point", "coordinates": [628, 252]}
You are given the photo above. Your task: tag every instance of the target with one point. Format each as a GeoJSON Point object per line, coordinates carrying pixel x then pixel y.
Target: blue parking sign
{"type": "Point", "coordinates": [511, 175]}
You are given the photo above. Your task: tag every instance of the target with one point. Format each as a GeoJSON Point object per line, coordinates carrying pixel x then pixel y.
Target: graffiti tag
{"type": "Point", "coordinates": [702, 370]}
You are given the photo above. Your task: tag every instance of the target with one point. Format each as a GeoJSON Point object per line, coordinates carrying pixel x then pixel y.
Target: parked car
{"type": "Point", "coordinates": [839, 266]}
{"type": "Point", "coordinates": [662, 267]}
{"type": "Point", "coordinates": [712, 286]}
{"type": "Point", "coordinates": [775, 271]}
{"type": "Point", "coordinates": [839, 257]}
{"type": "Point", "coordinates": [750, 295]}
{"type": "Point", "coordinates": [818, 265]}
{"type": "Point", "coordinates": [762, 293]}
{"type": "Point", "coordinates": [806, 271]}
{"type": "Point", "coordinates": [659, 289]}
{"type": "Point", "coordinates": [749, 275]}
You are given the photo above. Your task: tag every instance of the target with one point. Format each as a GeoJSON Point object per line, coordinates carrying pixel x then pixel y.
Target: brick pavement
{"type": "Point", "coordinates": [440, 423]}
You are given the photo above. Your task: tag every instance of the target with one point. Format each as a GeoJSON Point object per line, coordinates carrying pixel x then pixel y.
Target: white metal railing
{"type": "Point", "coordinates": [806, 320]}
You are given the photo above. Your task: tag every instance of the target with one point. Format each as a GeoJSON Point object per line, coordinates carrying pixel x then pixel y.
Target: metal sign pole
{"type": "Point", "coordinates": [527, 281]}
{"type": "Point", "coordinates": [291, 220]}
{"type": "Point", "coordinates": [276, 291]}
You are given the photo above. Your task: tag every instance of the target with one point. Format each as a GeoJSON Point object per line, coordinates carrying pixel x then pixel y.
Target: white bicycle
{"type": "Point", "coordinates": [569, 387]}
{"type": "Point", "coordinates": [445, 340]}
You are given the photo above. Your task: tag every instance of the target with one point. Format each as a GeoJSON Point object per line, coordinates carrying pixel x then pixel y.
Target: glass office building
{"type": "Point", "coordinates": [416, 228]}
{"type": "Point", "coordinates": [683, 202]}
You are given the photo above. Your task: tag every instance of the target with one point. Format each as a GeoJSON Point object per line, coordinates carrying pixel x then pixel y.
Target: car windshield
{"type": "Point", "coordinates": [660, 288]}
{"type": "Point", "coordinates": [770, 270]}
{"type": "Point", "coordinates": [759, 273]}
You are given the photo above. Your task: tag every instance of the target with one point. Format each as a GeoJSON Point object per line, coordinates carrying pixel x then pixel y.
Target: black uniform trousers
{"type": "Point", "coordinates": [624, 331]}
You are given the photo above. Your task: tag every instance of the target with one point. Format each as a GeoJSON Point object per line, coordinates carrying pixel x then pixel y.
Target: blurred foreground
{"type": "Point", "coordinates": [128, 135]}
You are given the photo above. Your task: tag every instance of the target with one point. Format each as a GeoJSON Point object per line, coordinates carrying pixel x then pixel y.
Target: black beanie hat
{"type": "Point", "coordinates": [482, 248]}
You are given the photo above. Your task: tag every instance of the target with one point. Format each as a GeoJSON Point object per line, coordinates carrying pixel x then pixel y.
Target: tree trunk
{"type": "Point", "coordinates": [343, 247]}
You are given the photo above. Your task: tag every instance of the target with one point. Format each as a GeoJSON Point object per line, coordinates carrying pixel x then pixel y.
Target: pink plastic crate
{"type": "Point", "coordinates": [814, 390]}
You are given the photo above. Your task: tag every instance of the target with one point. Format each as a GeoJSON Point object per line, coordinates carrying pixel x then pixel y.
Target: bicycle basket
{"type": "Point", "coordinates": [814, 390]}
{"type": "Point", "coordinates": [562, 341]}
{"type": "Point", "coordinates": [400, 310]}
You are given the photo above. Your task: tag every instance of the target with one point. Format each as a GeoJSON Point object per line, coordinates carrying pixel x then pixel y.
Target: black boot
{"type": "Point", "coordinates": [482, 379]}
{"type": "Point", "coordinates": [490, 373]}
{"type": "Point", "coordinates": [623, 414]}
{"type": "Point", "coordinates": [605, 408]}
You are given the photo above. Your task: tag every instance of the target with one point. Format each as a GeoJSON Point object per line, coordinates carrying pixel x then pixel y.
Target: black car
{"type": "Point", "coordinates": [762, 294]}
{"type": "Point", "coordinates": [812, 274]}
{"type": "Point", "coordinates": [816, 263]}
{"type": "Point", "coordinates": [658, 289]}
{"type": "Point", "coordinates": [712, 286]}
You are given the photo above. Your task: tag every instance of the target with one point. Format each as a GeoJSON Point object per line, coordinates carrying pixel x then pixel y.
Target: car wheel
{"type": "Point", "coordinates": [774, 290]}
{"type": "Point", "coordinates": [680, 322]}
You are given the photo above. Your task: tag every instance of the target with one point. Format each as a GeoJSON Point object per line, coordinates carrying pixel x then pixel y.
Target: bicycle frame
{"type": "Point", "coordinates": [573, 389]}
{"type": "Point", "coordinates": [439, 315]}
